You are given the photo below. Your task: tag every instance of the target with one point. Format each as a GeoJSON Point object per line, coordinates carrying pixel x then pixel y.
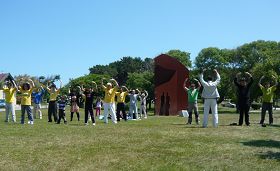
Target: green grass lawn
{"type": "Point", "coordinates": [157, 143]}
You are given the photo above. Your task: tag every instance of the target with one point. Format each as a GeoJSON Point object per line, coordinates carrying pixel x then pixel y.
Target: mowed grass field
{"type": "Point", "coordinates": [156, 143]}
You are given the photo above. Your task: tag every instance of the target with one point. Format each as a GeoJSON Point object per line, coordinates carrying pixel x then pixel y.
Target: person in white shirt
{"type": "Point", "coordinates": [210, 95]}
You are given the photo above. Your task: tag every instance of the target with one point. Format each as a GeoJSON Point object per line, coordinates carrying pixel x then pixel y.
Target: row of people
{"type": "Point", "coordinates": [210, 95]}
{"type": "Point", "coordinates": [88, 94]}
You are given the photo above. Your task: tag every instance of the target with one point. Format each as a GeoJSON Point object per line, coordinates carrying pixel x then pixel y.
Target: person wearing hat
{"type": "Point", "coordinates": [267, 99]}
{"type": "Point", "coordinates": [109, 99]}
{"type": "Point", "coordinates": [243, 85]}
{"type": "Point", "coordinates": [52, 108]}
{"type": "Point", "coordinates": [10, 88]}
{"type": "Point", "coordinates": [26, 91]}
{"type": "Point", "coordinates": [210, 95]}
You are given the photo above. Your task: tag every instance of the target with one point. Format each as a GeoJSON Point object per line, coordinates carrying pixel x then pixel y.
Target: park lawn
{"type": "Point", "coordinates": [156, 143]}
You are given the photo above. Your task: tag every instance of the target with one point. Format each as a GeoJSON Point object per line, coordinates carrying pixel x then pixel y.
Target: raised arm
{"type": "Point", "coordinates": [60, 84]}
{"type": "Point", "coordinates": [31, 83]}
{"type": "Point", "coordinates": [184, 84]}
{"type": "Point", "coordinates": [218, 77]}
{"type": "Point", "coordinates": [15, 85]}
{"type": "Point", "coordinates": [203, 82]}
{"type": "Point", "coordinates": [275, 79]}
{"type": "Point", "coordinates": [115, 82]}
{"type": "Point", "coordinates": [126, 89]}
{"type": "Point", "coordinates": [147, 94]}
{"type": "Point", "coordinates": [95, 85]}
{"type": "Point", "coordinates": [198, 84]}
{"type": "Point", "coordinates": [102, 83]}
{"type": "Point", "coordinates": [250, 77]}
{"type": "Point", "coordinates": [260, 82]}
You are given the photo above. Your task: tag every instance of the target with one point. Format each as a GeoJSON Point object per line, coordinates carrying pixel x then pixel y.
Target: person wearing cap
{"type": "Point", "coordinates": [26, 91]}
{"type": "Point", "coordinates": [121, 95]}
{"type": "Point", "coordinates": [143, 101]}
{"type": "Point", "coordinates": [243, 85]}
{"type": "Point", "coordinates": [52, 108]}
{"type": "Point", "coordinates": [210, 95]}
{"type": "Point", "coordinates": [10, 89]}
{"type": "Point", "coordinates": [109, 99]}
{"type": "Point", "coordinates": [267, 99]}
{"type": "Point", "coordinates": [192, 100]}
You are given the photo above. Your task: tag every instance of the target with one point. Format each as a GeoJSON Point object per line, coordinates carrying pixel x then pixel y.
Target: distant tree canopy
{"type": "Point", "coordinates": [258, 57]}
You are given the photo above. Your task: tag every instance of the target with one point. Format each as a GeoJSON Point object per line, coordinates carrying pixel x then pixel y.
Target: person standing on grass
{"type": "Point", "coordinates": [89, 94]}
{"type": "Point", "coordinates": [210, 95]}
{"type": "Point", "coordinates": [121, 95]}
{"type": "Point", "coordinates": [109, 100]}
{"type": "Point", "coordinates": [192, 100]}
{"type": "Point", "coordinates": [37, 98]}
{"type": "Point", "coordinates": [243, 85]}
{"type": "Point", "coordinates": [133, 95]}
{"type": "Point", "coordinates": [74, 105]}
{"type": "Point", "coordinates": [52, 109]}
{"type": "Point", "coordinates": [143, 100]}
{"type": "Point", "coordinates": [10, 90]}
{"type": "Point", "coordinates": [98, 106]}
{"type": "Point", "coordinates": [61, 110]}
{"type": "Point", "coordinates": [267, 99]}
{"type": "Point", "coordinates": [26, 91]}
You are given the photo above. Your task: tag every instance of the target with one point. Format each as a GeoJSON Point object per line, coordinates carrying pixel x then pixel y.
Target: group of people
{"type": "Point", "coordinates": [57, 102]}
{"type": "Point", "coordinates": [210, 96]}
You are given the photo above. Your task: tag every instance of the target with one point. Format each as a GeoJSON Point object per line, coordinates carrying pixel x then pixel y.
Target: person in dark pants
{"type": "Point", "coordinates": [74, 102]}
{"type": "Point", "coordinates": [121, 103]}
{"type": "Point", "coordinates": [267, 99]}
{"type": "Point", "coordinates": [89, 95]}
{"type": "Point", "coordinates": [243, 85]}
{"type": "Point", "coordinates": [61, 110]}
{"type": "Point", "coordinates": [52, 109]}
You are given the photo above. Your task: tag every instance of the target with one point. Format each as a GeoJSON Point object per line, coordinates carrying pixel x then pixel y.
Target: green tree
{"type": "Point", "coordinates": [183, 57]}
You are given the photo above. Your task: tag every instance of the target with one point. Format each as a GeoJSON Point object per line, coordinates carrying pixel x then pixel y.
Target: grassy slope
{"type": "Point", "coordinates": [158, 143]}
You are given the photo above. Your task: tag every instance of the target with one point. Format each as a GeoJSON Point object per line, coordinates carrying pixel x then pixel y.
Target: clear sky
{"type": "Point", "coordinates": [67, 37]}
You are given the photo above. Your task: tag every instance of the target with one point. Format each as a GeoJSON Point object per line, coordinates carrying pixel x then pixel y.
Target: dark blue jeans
{"type": "Point", "coordinates": [26, 108]}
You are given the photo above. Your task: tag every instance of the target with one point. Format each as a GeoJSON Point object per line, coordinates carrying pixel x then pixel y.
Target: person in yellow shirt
{"type": "Point", "coordinates": [121, 95]}
{"type": "Point", "coordinates": [26, 91]}
{"type": "Point", "coordinates": [10, 89]}
{"type": "Point", "coordinates": [109, 100]}
{"type": "Point", "coordinates": [52, 108]}
{"type": "Point", "coordinates": [267, 99]}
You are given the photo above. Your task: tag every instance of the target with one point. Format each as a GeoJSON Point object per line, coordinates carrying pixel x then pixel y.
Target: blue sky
{"type": "Point", "coordinates": [67, 37]}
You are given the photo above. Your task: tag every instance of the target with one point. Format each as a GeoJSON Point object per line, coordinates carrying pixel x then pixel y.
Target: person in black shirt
{"type": "Point", "coordinates": [243, 85]}
{"type": "Point", "coordinates": [61, 109]}
{"type": "Point", "coordinates": [74, 102]}
{"type": "Point", "coordinates": [89, 94]}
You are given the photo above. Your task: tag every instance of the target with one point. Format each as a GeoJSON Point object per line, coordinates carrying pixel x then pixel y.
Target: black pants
{"type": "Point", "coordinates": [266, 107]}
{"type": "Point", "coordinates": [121, 108]}
{"type": "Point", "coordinates": [89, 109]}
{"type": "Point", "coordinates": [52, 110]}
{"type": "Point", "coordinates": [78, 115]}
{"type": "Point", "coordinates": [61, 114]}
{"type": "Point", "coordinates": [244, 109]}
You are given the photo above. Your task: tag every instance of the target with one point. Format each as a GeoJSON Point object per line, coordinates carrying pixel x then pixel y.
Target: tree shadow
{"type": "Point", "coordinates": [270, 155]}
{"type": "Point", "coordinates": [263, 143]}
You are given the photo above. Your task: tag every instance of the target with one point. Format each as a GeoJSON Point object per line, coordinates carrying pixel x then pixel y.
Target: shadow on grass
{"type": "Point", "coordinates": [276, 126]}
{"type": "Point", "coordinates": [270, 155]}
{"type": "Point", "coordinates": [263, 143]}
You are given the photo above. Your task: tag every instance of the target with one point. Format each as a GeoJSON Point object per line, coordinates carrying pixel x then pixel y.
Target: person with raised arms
{"type": "Point", "coordinates": [121, 95]}
{"type": "Point", "coordinates": [210, 95]}
{"type": "Point", "coordinates": [10, 88]}
{"type": "Point", "coordinates": [267, 99]}
{"type": "Point", "coordinates": [109, 99]}
{"type": "Point", "coordinates": [143, 101]}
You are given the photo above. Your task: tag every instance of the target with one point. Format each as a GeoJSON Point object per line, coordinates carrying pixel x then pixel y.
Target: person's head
{"type": "Point", "coordinates": [267, 84]}
{"type": "Point", "coordinates": [98, 99]}
{"type": "Point", "coordinates": [63, 98]}
{"type": "Point", "coordinates": [88, 89]}
{"type": "Point", "coordinates": [243, 82]}
{"type": "Point", "coordinates": [53, 87]}
{"type": "Point", "coordinates": [9, 84]}
{"type": "Point", "coordinates": [26, 86]}
{"type": "Point", "coordinates": [121, 89]}
{"type": "Point", "coordinates": [133, 92]}
{"type": "Point", "coordinates": [109, 85]}
{"type": "Point", "coordinates": [143, 94]}
{"type": "Point", "coordinates": [209, 78]}
{"type": "Point", "coordinates": [192, 86]}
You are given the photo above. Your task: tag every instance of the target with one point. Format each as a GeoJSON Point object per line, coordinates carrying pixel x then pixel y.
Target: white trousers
{"type": "Point", "coordinates": [37, 109]}
{"type": "Point", "coordinates": [110, 107]}
{"type": "Point", "coordinates": [210, 103]}
{"type": "Point", "coordinates": [10, 108]}
{"type": "Point", "coordinates": [143, 111]}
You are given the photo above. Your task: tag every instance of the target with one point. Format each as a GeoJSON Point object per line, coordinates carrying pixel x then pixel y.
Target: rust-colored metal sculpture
{"type": "Point", "coordinates": [170, 97]}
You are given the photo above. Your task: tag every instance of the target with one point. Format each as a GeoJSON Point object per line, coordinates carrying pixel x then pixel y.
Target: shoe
{"type": "Point", "coordinates": [65, 122]}
{"type": "Point", "coordinates": [263, 125]}
{"type": "Point", "coordinates": [145, 117]}
{"type": "Point", "coordinates": [93, 124]}
{"type": "Point", "coordinates": [86, 124]}
{"type": "Point", "coordinates": [29, 122]}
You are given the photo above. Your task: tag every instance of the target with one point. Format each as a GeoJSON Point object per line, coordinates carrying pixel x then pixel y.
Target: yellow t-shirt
{"type": "Point", "coordinates": [110, 94]}
{"type": "Point", "coordinates": [53, 95]}
{"type": "Point", "coordinates": [26, 97]}
{"type": "Point", "coordinates": [121, 96]}
{"type": "Point", "coordinates": [9, 94]}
